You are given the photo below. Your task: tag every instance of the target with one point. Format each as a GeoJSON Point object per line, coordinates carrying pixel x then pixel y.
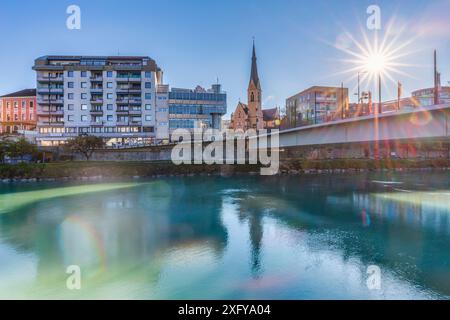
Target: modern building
{"type": "Point", "coordinates": [425, 97]}
{"type": "Point", "coordinates": [250, 115]}
{"type": "Point", "coordinates": [317, 105]}
{"type": "Point", "coordinates": [18, 111]}
{"type": "Point", "coordinates": [111, 97]}
{"type": "Point", "coordinates": [198, 108]}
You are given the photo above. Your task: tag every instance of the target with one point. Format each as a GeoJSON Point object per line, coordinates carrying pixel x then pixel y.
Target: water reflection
{"type": "Point", "coordinates": [248, 237]}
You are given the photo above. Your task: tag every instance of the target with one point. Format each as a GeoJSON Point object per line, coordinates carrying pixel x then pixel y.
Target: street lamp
{"type": "Point", "coordinates": [375, 64]}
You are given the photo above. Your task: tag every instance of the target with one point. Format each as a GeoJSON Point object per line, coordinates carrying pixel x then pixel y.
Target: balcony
{"type": "Point", "coordinates": [135, 111]}
{"type": "Point", "coordinates": [135, 123]}
{"type": "Point", "coordinates": [96, 89]}
{"type": "Point", "coordinates": [128, 79]}
{"type": "Point", "coordinates": [51, 123]}
{"type": "Point", "coordinates": [122, 123]}
{"type": "Point", "coordinates": [44, 90]}
{"type": "Point", "coordinates": [96, 79]}
{"type": "Point", "coordinates": [43, 101]}
{"type": "Point", "coordinates": [97, 123]}
{"type": "Point", "coordinates": [96, 101]}
{"type": "Point", "coordinates": [135, 101]}
{"type": "Point", "coordinates": [47, 112]}
{"type": "Point", "coordinates": [50, 79]}
{"type": "Point", "coordinates": [96, 111]}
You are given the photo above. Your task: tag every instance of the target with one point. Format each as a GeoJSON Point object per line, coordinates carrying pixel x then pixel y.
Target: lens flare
{"type": "Point", "coordinates": [377, 54]}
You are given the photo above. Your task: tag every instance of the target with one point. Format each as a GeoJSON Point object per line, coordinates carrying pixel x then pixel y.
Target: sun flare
{"type": "Point", "coordinates": [377, 54]}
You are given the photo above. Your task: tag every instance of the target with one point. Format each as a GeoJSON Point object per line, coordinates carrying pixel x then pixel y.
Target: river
{"type": "Point", "coordinates": [361, 236]}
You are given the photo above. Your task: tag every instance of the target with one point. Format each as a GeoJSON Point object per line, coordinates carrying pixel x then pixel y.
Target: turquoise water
{"type": "Point", "coordinates": [229, 238]}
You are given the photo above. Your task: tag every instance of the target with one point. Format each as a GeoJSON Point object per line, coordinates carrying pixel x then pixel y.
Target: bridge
{"type": "Point", "coordinates": [401, 133]}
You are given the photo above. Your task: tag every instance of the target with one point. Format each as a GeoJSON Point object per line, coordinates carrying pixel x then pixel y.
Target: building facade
{"type": "Point", "coordinates": [316, 105]}
{"type": "Point", "coordinates": [250, 115]}
{"type": "Point", "coordinates": [271, 118]}
{"type": "Point", "coordinates": [198, 108]}
{"type": "Point", "coordinates": [18, 111]}
{"type": "Point", "coordinates": [110, 97]}
{"type": "Point", "coordinates": [425, 97]}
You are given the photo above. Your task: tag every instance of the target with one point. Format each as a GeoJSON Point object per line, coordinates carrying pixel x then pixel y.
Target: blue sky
{"type": "Point", "coordinates": [196, 41]}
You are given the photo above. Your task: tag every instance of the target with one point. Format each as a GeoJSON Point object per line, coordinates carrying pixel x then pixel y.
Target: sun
{"type": "Point", "coordinates": [375, 63]}
{"type": "Point", "coordinates": [377, 55]}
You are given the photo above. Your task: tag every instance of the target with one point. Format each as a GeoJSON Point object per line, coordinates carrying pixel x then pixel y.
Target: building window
{"type": "Point", "coordinates": [70, 107]}
{"type": "Point", "coordinates": [109, 85]}
{"type": "Point", "coordinates": [84, 85]}
{"type": "Point", "coordinates": [70, 85]}
{"type": "Point", "coordinates": [24, 104]}
{"type": "Point", "coordinates": [148, 118]}
{"type": "Point", "coordinates": [31, 105]}
{"type": "Point", "coordinates": [109, 107]}
{"type": "Point", "coordinates": [70, 74]}
{"type": "Point", "coordinates": [70, 118]}
{"type": "Point", "coordinates": [148, 85]}
{"type": "Point", "coordinates": [148, 74]}
{"type": "Point", "coordinates": [70, 96]}
{"type": "Point", "coordinates": [109, 96]}
{"type": "Point", "coordinates": [148, 96]}
{"type": "Point", "coordinates": [84, 96]}
{"type": "Point", "coordinates": [16, 105]}
{"type": "Point", "coordinates": [84, 107]}
{"type": "Point", "coordinates": [110, 118]}
{"type": "Point", "coordinates": [109, 74]}
{"type": "Point", "coordinates": [83, 118]}
{"type": "Point", "coordinates": [83, 74]}
{"type": "Point", "coordinates": [148, 107]}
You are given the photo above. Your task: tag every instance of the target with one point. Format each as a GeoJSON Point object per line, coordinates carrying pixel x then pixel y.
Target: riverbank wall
{"type": "Point", "coordinates": [96, 170]}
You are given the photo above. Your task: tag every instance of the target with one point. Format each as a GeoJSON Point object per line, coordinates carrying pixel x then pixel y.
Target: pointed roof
{"type": "Point", "coordinates": [243, 106]}
{"type": "Point", "coordinates": [254, 73]}
{"type": "Point", "coordinates": [270, 114]}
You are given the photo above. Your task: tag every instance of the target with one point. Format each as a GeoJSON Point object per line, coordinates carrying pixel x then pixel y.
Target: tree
{"type": "Point", "coordinates": [4, 148]}
{"type": "Point", "coordinates": [86, 145]}
{"type": "Point", "coordinates": [21, 148]}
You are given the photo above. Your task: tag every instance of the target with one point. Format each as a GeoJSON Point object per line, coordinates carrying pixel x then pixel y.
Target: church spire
{"type": "Point", "coordinates": [254, 73]}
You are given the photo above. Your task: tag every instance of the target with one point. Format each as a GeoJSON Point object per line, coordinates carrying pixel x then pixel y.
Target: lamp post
{"type": "Point", "coordinates": [380, 108]}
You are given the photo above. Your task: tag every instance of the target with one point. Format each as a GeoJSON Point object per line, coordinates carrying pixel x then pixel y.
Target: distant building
{"type": "Point", "coordinates": [226, 124]}
{"type": "Point", "coordinates": [111, 97]}
{"type": "Point", "coordinates": [18, 111]}
{"type": "Point", "coordinates": [425, 97]}
{"type": "Point", "coordinates": [197, 109]}
{"type": "Point", "coordinates": [316, 105]}
{"type": "Point", "coordinates": [271, 118]}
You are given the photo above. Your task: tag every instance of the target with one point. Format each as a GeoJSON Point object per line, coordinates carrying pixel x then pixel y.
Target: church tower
{"type": "Point", "coordinates": [255, 114]}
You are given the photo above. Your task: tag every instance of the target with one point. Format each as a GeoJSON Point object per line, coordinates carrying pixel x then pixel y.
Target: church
{"type": "Point", "coordinates": [250, 115]}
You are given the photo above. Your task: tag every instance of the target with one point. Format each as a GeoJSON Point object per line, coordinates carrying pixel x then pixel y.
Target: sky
{"type": "Point", "coordinates": [299, 43]}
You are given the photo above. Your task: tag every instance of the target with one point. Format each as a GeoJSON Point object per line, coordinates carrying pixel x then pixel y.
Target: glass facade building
{"type": "Point", "coordinates": [198, 108]}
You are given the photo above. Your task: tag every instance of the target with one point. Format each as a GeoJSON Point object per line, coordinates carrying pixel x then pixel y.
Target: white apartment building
{"type": "Point", "coordinates": [121, 99]}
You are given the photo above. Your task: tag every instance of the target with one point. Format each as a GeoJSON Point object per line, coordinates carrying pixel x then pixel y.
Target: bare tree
{"type": "Point", "coordinates": [86, 145]}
